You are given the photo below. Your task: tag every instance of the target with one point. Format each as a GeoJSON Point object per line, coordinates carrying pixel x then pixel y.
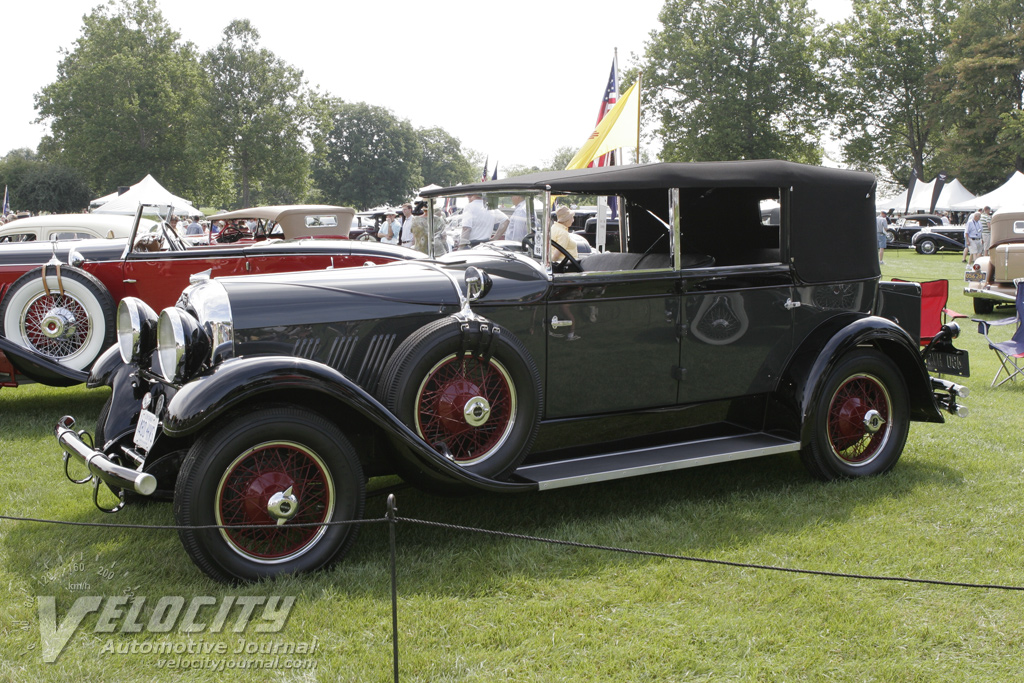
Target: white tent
{"type": "Point", "coordinates": [146, 191]}
{"type": "Point", "coordinates": [952, 194]}
{"type": "Point", "coordinates": [1010, 193]}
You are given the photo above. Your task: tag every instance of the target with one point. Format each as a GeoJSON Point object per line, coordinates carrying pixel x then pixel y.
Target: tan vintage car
{"type": "Point", "coordinates": [993, 278]}
{"type": "Point", "coordinates": [298, 221]}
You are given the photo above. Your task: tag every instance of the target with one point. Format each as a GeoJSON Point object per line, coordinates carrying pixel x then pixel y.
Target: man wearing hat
{"type": "Point", "coordinates": [390, 228]}
{"type": "Point", "coordinates": [560, 234]}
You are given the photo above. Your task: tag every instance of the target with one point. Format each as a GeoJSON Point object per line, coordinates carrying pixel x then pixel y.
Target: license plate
{"type": "Point", "coordinates": [955, 362]}
{"type": "Point", "coordinates": [145, 431]}
{"type": "Point", "coordinates": [975, 276]}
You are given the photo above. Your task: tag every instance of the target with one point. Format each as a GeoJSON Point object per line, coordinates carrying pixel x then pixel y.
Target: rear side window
{"type": "Point", "coordinates": [735, 226]}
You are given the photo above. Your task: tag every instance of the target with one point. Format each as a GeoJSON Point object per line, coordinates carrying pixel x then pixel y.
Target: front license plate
{"type": "Point", "coordinates": [145, 431]}
{"type": "Point", "coordinates": [975, 276]}
{"type": "Point", "coordinates": [953, 362]}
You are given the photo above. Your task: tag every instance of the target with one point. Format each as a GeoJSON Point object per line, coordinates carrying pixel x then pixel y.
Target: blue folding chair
{"type": "Point", "coordinates": [1010, 353]}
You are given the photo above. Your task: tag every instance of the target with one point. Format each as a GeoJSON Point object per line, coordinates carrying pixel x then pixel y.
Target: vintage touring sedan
{"type": "Point", "coordinates": [267, 402]}
{"type": "Point", "coordinates": [59, 300]}
{"type": "Point", "coordinates": [993, 279]}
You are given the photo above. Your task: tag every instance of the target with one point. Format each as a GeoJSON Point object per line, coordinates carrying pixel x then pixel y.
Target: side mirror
{"type": "Point", "coordinates": [478, 283]}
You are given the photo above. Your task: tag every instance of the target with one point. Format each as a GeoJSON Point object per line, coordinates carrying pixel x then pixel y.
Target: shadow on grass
{"type": "Point", "coordinates": [712, 511]}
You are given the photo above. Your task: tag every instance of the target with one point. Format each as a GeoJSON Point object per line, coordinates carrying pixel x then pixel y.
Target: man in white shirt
{"type": "Point", "coordinates": [477, 223]}
{"type": "Point", "coordinates": [405, 237]}
{"type": "Point", "coordinates": [515, 227]}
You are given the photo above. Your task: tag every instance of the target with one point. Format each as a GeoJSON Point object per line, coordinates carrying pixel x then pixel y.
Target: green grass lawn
{"type": "Point", "coordinates": [482, 608]}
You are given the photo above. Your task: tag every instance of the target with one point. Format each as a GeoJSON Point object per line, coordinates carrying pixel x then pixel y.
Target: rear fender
{"type": "Point", "coordinates": [239, 381]}
{"type": "Point", "coordinates": [825, 347]}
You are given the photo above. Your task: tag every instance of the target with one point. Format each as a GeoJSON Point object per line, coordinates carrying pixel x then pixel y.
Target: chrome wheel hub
{"type": "Point", "coordinates": [873, 421]}
{"type": "Point", "coordinates": [282, 506]}
{"type": "Point", "coordinates": [58, 323]}
{"type": "Point", "coordinates": [477, 410]}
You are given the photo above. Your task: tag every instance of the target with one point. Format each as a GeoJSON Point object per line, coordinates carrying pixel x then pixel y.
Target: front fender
{"type": "Point", "coordinates": [824, 348]}
{"type": "Point", "coordinates": [40, 368]}
{"type": "Point", "coordinates": [239, 380]}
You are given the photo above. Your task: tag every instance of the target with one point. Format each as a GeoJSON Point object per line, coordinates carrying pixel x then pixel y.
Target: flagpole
{"type": "Point", "coordinates": [617, 154]}
{"type": "Point", "coordinates": [639, 97]}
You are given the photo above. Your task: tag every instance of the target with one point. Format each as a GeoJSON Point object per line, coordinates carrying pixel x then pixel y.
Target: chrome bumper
{"type": "Point", "coordinates": [109, 473]}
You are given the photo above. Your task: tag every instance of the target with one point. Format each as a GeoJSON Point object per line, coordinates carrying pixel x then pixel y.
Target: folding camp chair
{"type": "Point", "coordinates": [933, 308]}
{"type": "Point", "coordinates": [1010, 353]}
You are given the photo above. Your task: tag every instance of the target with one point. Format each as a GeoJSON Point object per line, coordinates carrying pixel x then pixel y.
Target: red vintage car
{"type": "Point", "coordinates": [58, 300]}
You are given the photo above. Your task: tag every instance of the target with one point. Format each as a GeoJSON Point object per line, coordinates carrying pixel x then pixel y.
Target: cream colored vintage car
{"type": "Point", "coordinates": [993, 278]}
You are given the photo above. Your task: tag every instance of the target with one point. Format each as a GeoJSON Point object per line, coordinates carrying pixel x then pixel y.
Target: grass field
{"type": "Point", "coordinates": [483, 608]}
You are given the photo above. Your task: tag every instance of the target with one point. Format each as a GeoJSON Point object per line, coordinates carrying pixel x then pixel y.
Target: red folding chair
{"type": "Point", "coordinates": [934, 313]}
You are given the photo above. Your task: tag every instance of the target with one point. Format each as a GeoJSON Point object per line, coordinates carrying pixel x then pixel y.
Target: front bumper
{"type": "Point", "coordinates": [100, 466]}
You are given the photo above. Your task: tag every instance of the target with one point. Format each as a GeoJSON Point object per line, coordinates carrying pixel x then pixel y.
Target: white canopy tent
{"type": "Point", "coordinates": [952, 194]}
{"type": "Point", "coordinates": [1010, 193]}
{"type": "Point", "coordinates": [146, 191]}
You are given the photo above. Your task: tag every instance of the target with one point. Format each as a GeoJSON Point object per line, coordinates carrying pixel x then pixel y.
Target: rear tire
{"type": "Point", "coordinates": [983, 305]}
{"type": "Point", "coordinates": [860, 420]}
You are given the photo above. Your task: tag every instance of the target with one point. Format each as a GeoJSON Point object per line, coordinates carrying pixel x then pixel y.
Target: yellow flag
{"type": "Point", "coordinates": [619, 128]}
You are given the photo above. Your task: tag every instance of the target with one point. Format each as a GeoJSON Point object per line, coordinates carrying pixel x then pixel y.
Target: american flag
{"type": "Point", "coordinates": [611, 94]}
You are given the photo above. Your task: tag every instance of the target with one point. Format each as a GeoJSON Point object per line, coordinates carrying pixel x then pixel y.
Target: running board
{"type": "Point", "coordinates": [632, 463]}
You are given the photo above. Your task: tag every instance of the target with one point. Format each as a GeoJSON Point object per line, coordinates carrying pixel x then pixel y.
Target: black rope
{"type": "Point", "coordinates": [387, 519]}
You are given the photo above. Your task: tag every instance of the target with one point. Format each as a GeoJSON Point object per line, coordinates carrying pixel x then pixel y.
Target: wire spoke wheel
{"type": "Point", "coordinates": [467, 406]}
{"type": "Point", "coordinates": [56, 326]}
{"type": "Point", "coordinates": [859, 419]}
{"type": "Point", "coordinates": [245, 493]}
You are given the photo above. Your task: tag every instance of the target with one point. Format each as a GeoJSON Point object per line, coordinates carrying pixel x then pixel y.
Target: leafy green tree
{"type": "Point", "coordinates": [885, 58]}
{"type": "Point", "coordinates": [734, 79]}
{"type": "Point", "coordinates": [126, 102]}
{"type": "Point", "coordinates": [982, 85]}
{"type": "Point", "coordinates": [443, 162]}
{"type": "Point", "coordinates": [367, 157]}
{"type": "Point", "coordinates": [53, 188]}
{"type": "Point", "coordinates": [260, 113]}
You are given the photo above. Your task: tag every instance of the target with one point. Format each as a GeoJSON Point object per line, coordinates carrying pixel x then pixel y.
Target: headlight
{"type": "Point", "coordinates": [136, 329]}
{"type": "Point", "coordinates": [181, 345]}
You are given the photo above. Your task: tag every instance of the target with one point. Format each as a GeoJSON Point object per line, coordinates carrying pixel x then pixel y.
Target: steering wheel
{"type": "Point", "coordinates": [229, 234]}
{"type": "Point", "coordinates": [571, 260]}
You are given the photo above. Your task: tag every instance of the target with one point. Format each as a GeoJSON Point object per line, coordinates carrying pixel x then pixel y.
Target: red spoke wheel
{"type": "Point", "coordinates": [473, 395]}
{"type": "Point", "coordinates": [274, 470]}
{"type": "Point", "coordinates": [860, 420]}
{"type": "Point", "coordinates": [69, 319]}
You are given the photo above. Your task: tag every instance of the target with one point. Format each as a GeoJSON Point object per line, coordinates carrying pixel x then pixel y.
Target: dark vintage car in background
{"type": "Point", "coordinates": [901, 232]}
{"type": "Point", "coordinates": [271, 400]}
{"type": "Point", "coordinates": [932, 239]}
{"type": "Point", "coordinates": [68, 315]}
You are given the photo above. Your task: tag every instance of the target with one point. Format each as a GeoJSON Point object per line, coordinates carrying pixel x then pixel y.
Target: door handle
{"type": "Point", "coordinates": [790, 304]}
{"type": "Point", "coordinates": [556, 323]}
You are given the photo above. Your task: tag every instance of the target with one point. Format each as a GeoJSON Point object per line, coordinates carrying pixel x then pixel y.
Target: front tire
{"type": "Point", "coordinates": [927, 247]}
{"type": "Point", "coordinates": [73, 328]}
{"type": "Point", "coordinates": [860, 419]}
{"type": "Point", "coordinates": [275, 467]}
{"type": "Point", "coordinates": [983, 306]}
{"type": "Point", "coordinates": [479, 407]}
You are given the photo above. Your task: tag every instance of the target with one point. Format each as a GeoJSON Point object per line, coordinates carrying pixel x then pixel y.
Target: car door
{"type": "Point", "coordinates": [159, 277]}
{"type": "Point", "coordinates": [612, 342]}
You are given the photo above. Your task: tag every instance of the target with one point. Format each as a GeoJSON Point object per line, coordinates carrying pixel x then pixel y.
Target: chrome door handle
{"type": "Point", "coordinates": [790, 304]}
{"type": "Point", "coordinates": [556, 323]}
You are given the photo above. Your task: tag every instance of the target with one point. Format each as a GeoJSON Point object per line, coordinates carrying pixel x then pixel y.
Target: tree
{"type": "Point", "coordinates": [126, 101]}
{"type": "Point", "coordinates": [261, 111]}
{"type": "Point", "coordinates": [982, 85]}
{"type": "Point", "coordinates": [52, 188]}
{"type": "Point", "coordinates": [367, 157]}
{"type": "Point", "coordinates": [734, 80]}
{"type": "Point", "coordinates": [443, 162]}
{"type": "Point", "coordinates": [886, 56]}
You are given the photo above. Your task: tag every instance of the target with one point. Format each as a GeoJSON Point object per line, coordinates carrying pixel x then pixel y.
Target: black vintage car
{"type": "Point", "coordinates": [932, 239]}
{"type": "Point", "coordinates": [270, 400]}
{"type": "Point", "coordinates": [902, 231]}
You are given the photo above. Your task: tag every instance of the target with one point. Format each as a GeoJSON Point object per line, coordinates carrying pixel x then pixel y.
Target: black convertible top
{"type": "Point", "coordinates": [831, 211]}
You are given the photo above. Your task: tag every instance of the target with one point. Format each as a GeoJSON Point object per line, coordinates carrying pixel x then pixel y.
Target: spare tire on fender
{"type": "Point", "coordinates": [66, 314]}
{"type": "Point", "coordinates": [470, 390]}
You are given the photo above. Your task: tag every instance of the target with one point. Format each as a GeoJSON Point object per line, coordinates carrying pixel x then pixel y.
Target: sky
{"type": "Point", "coordinates": [514, 81]}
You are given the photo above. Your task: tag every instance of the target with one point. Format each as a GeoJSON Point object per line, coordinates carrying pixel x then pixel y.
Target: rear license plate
{"type": "Point", "coordinates": [975, 276]}
{"type": "Point", "coordinates": [145, 431]}
{"type": "Point", "coordinates": [955, 362]}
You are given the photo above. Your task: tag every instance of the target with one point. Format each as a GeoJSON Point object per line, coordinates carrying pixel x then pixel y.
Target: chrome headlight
{"type": "Point", "coordinates": [181, 345]}
{"type": "Point", "coordinates": [136, 329]}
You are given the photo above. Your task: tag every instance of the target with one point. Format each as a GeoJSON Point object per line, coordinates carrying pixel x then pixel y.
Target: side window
{"type": "Point", "coordinates": [731, 226]}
